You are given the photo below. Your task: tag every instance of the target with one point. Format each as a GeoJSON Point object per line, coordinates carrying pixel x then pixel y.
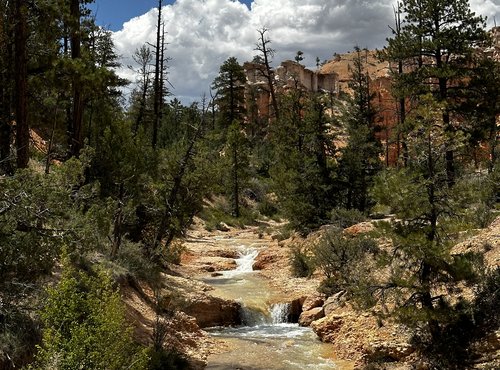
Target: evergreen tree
{"type": "Point", "coordinates": [6, 86]}
{"type": "Point", "coordinates": [422, 268]}
{"type": "Point", "coordinates": [302, 170]}
{"type": "Point", "coordinates": [360, 159]}
{"type": "Point", "coordinates": [230, 87]}
{"type": "Point", "coordinates": [437, 40]}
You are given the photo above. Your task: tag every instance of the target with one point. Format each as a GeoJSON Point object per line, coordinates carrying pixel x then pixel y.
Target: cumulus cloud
{"type": "Point", "coordinates": [202, 34]}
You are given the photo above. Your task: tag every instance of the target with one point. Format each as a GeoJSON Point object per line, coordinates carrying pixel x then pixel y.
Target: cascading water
{"type": "Point", "coordinates": [279, 313]}
{"type": "Point", "coordinates": [265, 340]}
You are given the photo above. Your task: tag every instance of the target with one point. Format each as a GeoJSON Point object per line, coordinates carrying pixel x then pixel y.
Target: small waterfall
{"type": "Point", "coordinates": [244, 264]}
{"type": "Point", "coordinates": [274, 315]}
{"type": "Point", "coordinates": [279, 313]}
{"type": "Point", "coordinates": [246, 260]}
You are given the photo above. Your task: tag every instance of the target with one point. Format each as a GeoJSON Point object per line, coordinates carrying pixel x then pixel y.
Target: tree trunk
{"type": "Point", "coordinates": [118, 222]}
{"type": "Point", "coordinates": [21, 77]}
{"type": "Point", "coordinates": [268, 73]}
{"type": "Point", "coordinates": [157, 82]}
{"type": "Point", "coordinates": [236, 190]}
{"type": "Point", "coordinates": [76, 131]}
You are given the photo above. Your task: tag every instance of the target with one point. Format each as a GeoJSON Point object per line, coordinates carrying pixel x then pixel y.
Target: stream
{"type": "Point", "coordinates": [266, 340]}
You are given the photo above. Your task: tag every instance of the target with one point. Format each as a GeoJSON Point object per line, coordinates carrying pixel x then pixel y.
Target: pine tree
{"type": "Point", "coordinates": [437, 40]}
{"type": "Point", "coordinates": [302, 168]}
{"type": "Point", "coordinates": [230, 87]}
{"type": "Point", "coordinates": [428, 215]}
{"type": "Point", "coordinates": [359, 160]}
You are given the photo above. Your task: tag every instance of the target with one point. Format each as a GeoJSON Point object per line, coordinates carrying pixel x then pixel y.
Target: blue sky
{"type": "Point", "coordinates": [112, 16]}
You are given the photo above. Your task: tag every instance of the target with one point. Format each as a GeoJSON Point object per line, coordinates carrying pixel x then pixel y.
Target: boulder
{"type": "Point", "coordinates": [328, 327]}
{"type": "Point", "coordinates": [213, 311]}
{"type": "Point", "coordinates": [313, 301]}
{"type": "Point", "coordinates": [212, 264]}
{"type": "Point", "coordinates": [388, 350]}
{"type": "Point", "coordinates": [221, 226]}
{"type": "Point", "coordinates": [361, 228]}
{"type": "Point", "coordinates": [295, 309]}
{"type": "Point", "coordinates": [307, 317]}
{"type": "Point", "coordinates": [335, 301]}
{"type": "Point", "coordinates": [264, 259]}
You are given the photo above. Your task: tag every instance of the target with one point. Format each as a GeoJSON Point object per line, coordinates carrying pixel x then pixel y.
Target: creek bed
{"type": "Point", "coordinates": [265, 340]}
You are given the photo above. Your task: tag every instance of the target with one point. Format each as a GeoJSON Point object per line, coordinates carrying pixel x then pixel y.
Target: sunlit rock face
{"type": "Point", "coordinates": [213, 311]}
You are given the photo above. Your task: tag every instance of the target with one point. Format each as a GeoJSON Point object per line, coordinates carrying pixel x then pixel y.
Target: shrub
{"type": "Point", "coordinates": [85, 327]}
{"type": "Point", "coordinates": [301, 263]}
{"type": "Point", "coordinates": [174, 252]}
{"type": "Point", "coordinates": [267, 208]}
{"type": "Point", "coordinates": [345, 262]}
{"type": "Point", "coordinates": [341, 217]}
{"type": "Point", "coordinates": [167, 359]}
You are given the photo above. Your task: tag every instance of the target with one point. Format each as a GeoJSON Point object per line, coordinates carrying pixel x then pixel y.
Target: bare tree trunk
{"type": "Point", "coordinates": [236, 190]}
{"type": "Point", "coordinates": [171, 200]}
{"type": "Point", "coordinates": [157, 81]}
{"type": "Point", "coordinates": [21, 78]}
{"type": "Point", "coordinates": [267, 53]}
{"type": "Point", "coordinates": [118, 222]}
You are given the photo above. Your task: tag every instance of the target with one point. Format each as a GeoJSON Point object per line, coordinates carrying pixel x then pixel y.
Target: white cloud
{"type": "Point", "coordinates": [202, 34]}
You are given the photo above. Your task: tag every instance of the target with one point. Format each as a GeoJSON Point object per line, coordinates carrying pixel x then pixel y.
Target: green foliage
{"type": "Point", "coordinates": [429, 214]}
{"type": "Point", "coordinates": [40, 213]}
{"type": "Point", "coordinates": [302, 173]}
{"type": "Point", "coordinates": [341, 217]}
{"type": "Point", "coordinates": [220, 213]}
{"type": "Point", "coordinates": [302, 263]}
{"type": "Point", "coordinates": [345, 261]}
{"type": "Point", "coordinates": [471, 322]}
{"type": "Point", "coordinates": [267, 208]}
{"type": "Point", "coordinates": [19, 332]}
{"type": "Point", "coordinates": [167, 359]}
{"type": "Point", "coordinates": [360, 158]}
{"type": "Point", "coordinates": [230, 87]}
{"type": "Point", "coordinates": [85, 326]}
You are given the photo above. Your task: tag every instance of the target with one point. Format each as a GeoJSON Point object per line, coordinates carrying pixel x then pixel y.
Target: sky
{"type": "Point", "coordinates": [202, 34]}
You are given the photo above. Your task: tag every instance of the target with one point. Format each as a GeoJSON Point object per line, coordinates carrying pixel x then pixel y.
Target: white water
{"type": "Point", "coordinates": [244, 264]}
{"type": "Point", "coordinates": [265, 340]}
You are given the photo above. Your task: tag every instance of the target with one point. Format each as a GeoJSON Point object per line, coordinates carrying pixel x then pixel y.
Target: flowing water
{"type": "Point", "coordinates": [266, 340]}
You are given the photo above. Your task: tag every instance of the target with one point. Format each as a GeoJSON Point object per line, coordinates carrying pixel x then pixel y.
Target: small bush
{"type": "Point", "coordinates": [167, 359]}
{"type": "Point", "coordinates": [329, 286]}
{"type": "Point", "coordinates": [132, 259]}
{"type": "Point", "coordinates": [174, 252]}
{"type": "Point", "coordinates": [483, 216]}
{"type": "Point", "coordinates": [302, 264]}
{"type": "Point", "coordinates": [341, 217]}
{"type": "Point", "coordinates": [346, 263]}
{"type": "Point", "coordinates": [267, 208]}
